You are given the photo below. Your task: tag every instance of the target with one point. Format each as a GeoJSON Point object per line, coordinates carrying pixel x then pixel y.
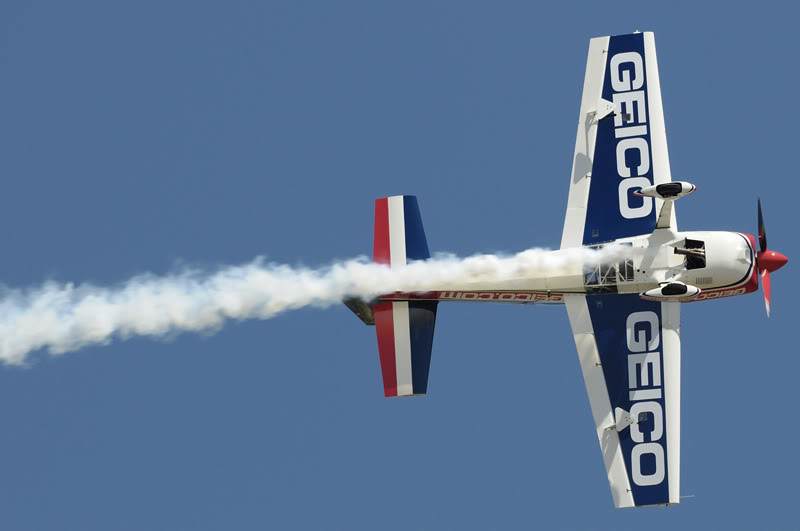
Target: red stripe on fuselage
{"type": "Point", "coordinates": [381, 251]}
{"type": "Point", "coordinates": [495, 296]}
{"type": "Point", "coordinates": [384, 328]}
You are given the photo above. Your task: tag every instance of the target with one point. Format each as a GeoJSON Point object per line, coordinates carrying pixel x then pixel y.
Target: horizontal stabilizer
{"type": "Point", "coordinates": [405, 341]}
{"type": "Point", "coordinates": [404, 328]}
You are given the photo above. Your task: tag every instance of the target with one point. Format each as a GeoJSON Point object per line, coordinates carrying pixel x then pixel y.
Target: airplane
{"type": "Point", "coordinates": [625, 315]}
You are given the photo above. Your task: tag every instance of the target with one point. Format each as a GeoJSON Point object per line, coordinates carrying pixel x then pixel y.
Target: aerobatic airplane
{"type": "Point", "coordinates": [625, 316]}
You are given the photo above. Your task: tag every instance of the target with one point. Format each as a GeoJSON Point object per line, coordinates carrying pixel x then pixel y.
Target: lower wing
{"type": "Point", "coordinates": [629, 351]}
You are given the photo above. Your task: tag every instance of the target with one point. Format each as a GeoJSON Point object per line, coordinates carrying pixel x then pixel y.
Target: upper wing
{"type": "Point", "coordinates": [629, 351]}
{"type": "Point", "coordinates": [621, 144]}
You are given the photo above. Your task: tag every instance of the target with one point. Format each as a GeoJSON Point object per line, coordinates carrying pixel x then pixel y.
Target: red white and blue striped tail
{"type": "Point", "coordinates": [404, 328]}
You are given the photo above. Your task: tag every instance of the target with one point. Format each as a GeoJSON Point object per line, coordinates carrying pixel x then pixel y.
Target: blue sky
{"type": "Point", "coordinates": [141, 137]}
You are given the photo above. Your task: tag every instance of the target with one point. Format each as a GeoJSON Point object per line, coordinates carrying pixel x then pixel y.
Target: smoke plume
{"type": "Point", "coordinates": [65, 317]}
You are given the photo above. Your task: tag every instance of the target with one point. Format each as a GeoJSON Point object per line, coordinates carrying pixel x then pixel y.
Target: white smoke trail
{"type": "Point", "coordinates": [64, 317]}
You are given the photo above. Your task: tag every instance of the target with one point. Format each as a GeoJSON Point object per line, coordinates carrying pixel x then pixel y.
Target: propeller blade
{"type": "Point", "coordinates": [765, 287]}
{"type": "Point", "coordinates": [762, 231]}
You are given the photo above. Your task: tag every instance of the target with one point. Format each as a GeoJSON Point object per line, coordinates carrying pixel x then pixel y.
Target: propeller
{"type": "Point", "coordinates": [767, 261]}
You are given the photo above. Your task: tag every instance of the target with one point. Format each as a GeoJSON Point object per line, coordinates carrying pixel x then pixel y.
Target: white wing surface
{"type": "Point", "coordinates": [621, 145]}
{"type": "Point", "coordinates": [629, 351]}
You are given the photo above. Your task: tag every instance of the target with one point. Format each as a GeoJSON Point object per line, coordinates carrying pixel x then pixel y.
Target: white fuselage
{"type": "Point", "coordinates": [723, 264]}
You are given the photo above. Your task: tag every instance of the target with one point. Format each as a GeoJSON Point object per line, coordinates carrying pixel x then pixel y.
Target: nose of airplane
{"type": "Point", "coordinates": [771, 260]}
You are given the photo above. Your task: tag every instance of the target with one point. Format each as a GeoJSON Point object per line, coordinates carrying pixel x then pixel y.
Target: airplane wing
{"type": "Point", "coordinates": [629, 351]}
{"type": "Point", "coordinates": [621, 145]}
{"type": "Point", "coordinates": [629, 348]}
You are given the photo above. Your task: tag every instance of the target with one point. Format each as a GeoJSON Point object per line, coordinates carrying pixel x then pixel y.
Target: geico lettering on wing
{"type": "Point", "coordinates": [644, 358]}
{"type": "Point", "coordinates": [629, 99]}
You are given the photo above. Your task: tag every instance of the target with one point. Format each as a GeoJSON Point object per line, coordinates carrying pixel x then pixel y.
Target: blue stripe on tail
{"type": "Point", "coordinates": [422, 319]}
{"type": "Point", "coordinates": [416, 244]}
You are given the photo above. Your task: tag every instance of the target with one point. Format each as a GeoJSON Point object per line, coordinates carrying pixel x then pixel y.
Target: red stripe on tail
{"type": "Point", "coordinates": [381, 252]}
{"type": "Point", "coordinates": [384, 327]}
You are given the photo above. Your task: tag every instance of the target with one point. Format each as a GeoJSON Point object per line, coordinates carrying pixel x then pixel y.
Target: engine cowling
{"type": "Point", "coordinates": [671, 291]}
{"type": "Point", "coordinates": [667, 191]}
